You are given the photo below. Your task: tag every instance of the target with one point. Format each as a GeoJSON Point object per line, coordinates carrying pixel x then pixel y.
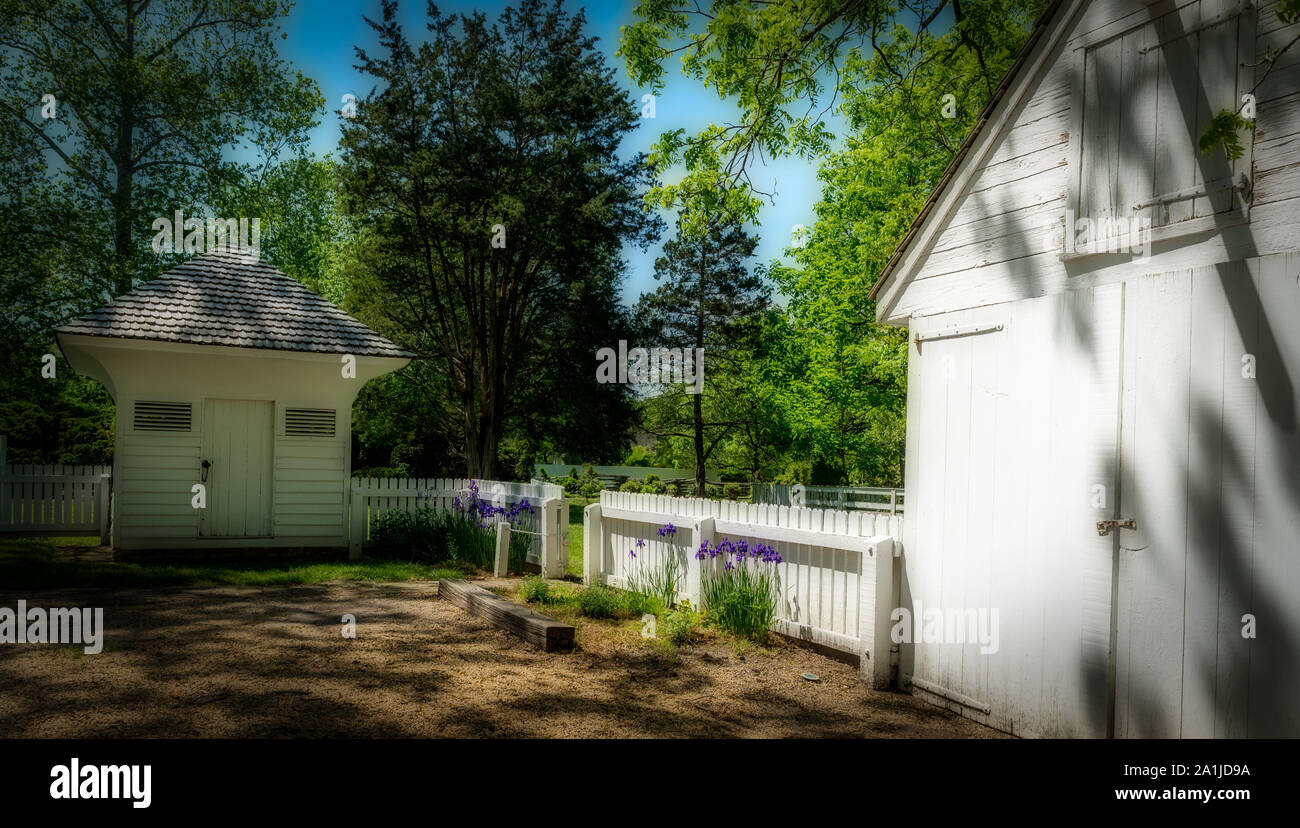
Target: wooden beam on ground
{"type": "Point", "coordinates": [532, 627]}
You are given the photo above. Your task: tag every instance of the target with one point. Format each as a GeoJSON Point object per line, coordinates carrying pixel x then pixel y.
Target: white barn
{"type": "Point", "coordinates": [1062, 374]}
{"type": "Point", "coordinates": [228, 373]}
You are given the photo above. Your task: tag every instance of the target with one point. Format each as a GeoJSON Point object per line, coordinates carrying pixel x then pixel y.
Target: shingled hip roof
{"type": "Point", "coordinates": [233, 299]}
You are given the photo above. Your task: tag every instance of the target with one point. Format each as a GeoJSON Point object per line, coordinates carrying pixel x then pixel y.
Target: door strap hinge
{"type": "Point", "coordinates": [1104, 527]}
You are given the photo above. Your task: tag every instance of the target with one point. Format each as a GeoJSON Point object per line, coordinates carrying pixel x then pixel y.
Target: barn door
{"type": "Point", "coordinates": [237, 438]}
{"type": "Point", "coordinates": [1209, 472]}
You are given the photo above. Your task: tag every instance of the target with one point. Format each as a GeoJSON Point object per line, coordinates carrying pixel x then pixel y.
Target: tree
{"type": "Point", "coordinates": [710, 302]}
{"type": "Point", "coordinates": [841, 377]}
{"type": "Point", "coordinates": [786, 63]}
{"type": "Point", "coordinates": [144, 99]}
{"type": "Point", "coordinates": [484, 174]}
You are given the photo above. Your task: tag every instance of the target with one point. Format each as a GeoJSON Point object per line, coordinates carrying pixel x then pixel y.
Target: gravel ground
{"type": "Point", "coordinates": [271, 662]}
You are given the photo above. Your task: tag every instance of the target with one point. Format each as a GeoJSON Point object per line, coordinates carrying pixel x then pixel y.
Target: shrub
{"type": "Point", "coordinates": [638, 603]}
{"type": "Point", "coordinates": [633, 486]}
{"type": "Point", "coordinates": [741, 597]}
{"type": "Point", "coordinates": [534, 589]}
{"type": "Point", "coordinates": [682, 625]}
{"type": "Point", "coordinates": [466, 534]}
{"type": "Point", "coordinates": [598, 602]}
{"type": "Point", "coordinates": [418, 535]}
{"type": "Point", "coordinates": [654, 484]}
{"type": "Point", "coordinates": [731, 491]}
{"type": "Point", "coordinates": [591, 489]}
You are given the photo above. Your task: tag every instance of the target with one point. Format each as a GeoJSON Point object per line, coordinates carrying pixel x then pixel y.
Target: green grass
{"type": "Point", "coordinates": [32, 563]}
{"type": "Point", "coordinates": [577, 535]}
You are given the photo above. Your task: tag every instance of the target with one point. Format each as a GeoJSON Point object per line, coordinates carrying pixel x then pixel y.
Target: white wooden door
{"type": "Point", "coordinates": [237, 439]}
{"type": "Point", "coordinates": [1011, 456]}
{"type": "Point", "coordinates": [1210, 470]}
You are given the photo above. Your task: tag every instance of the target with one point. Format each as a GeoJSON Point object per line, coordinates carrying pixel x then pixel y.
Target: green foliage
{"type": "Point", "coordinates": [659, 582]}
{"type": "Point", "coordinates": [682, 625]}
{"type": "Point", "coordinates": [1223, 131]}
{"type": "Point", "coordinates": [427, 535]}
{"type": "Point", "coordinates": [638, 455]}
{"type": "Point", "coordinates": [34, 563]}
{"type": "Point", "coordinates": [591, 489]}
{"type": "Point", "coordinates": [148, 109]}
{"type": "Point", "coordinates": [420, 534]}
{"type": "Point", "coordinates": [740, 600]}
{"type": "Point", "coordinates": [499, 283]}
{"type": "Point", "coordinates": [633, 486]}
{"type": "Point", "coordinates": [708, 300]}
{"type": "Point", "coordinates": [774, 60]}
{"type": "Point", "coordinates": [635, 604]}
{"type": "Point", "coordinates": [534, 589]}
{"type": "Point", "coordinates": [599, 602]}
{"type": "Point", "coordinates": [653, 484]}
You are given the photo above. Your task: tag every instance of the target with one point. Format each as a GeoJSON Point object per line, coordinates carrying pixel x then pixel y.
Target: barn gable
{"type": "Point", "coordinates": [1097, 127]}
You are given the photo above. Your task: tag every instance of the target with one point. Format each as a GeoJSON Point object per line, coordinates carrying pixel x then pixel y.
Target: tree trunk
{"type": "Point", "coordinates": [697, 402]}
{"type": "Point", "coordinates": [123, 258]}
{"type": "Point", "coordinates": [699, 445]}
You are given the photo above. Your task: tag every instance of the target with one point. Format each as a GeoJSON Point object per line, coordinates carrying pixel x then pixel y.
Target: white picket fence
{"type": "Point", "coordinates": [548, 526]}
{"type": "Point", "coordinates": [54, 500]}
{"type": "Point", "coordinates": [849, 498]}
{"type": "Point", "coordinates": [836, 584]}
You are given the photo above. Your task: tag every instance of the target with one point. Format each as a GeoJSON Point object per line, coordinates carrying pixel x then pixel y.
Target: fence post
{"type": "Point", "coordinates": [357, 527]}
{"type": "Point", "coordinates": [101, 507]}
{"type": "Point", "coordinates": [875, 608]}
{"type": "Point", "coordinates": [553, 558]}
{"type": "Point", "coordinates": [593, 555]}
{"type": "Point", "coordinates": [503, 549]}
{"type": "Point", "coordinates": [701, 531]}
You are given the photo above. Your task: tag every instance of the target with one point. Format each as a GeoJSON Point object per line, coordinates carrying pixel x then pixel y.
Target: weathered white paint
{"type": "Point", "coordinates": [154, 471]}
{"type": "Point", "coordinates": [1117, 373]}
{"type": "Point", "coordinates": [997, 237]}
{"type": "Point", "coordinates": [237, 437]}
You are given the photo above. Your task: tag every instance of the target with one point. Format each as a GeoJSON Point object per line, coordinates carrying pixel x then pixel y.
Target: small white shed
{"type": "Point", "coordinates": [1064, 373]}
{"type": "Point", "coordinates": [229, 374]}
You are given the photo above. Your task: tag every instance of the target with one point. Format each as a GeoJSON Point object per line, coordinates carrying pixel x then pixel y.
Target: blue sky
{"type": "Point", "coordinates": [322, 34]}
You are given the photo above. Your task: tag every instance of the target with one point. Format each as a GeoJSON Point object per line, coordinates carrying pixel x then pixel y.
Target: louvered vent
{"type": "Point", "coordinates": [162, 416]}
{"type": "Point", "coordinates": [308, 422]}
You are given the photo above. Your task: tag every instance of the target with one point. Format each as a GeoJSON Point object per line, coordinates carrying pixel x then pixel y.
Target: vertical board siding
{"type": "Point", "coordinates": [996, 246]}
{"type": "Point", "coordinates": [1005, 441]}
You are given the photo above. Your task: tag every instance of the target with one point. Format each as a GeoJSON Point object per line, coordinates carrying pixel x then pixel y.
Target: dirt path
{"type": "Point", "coordinates": [271, 662]}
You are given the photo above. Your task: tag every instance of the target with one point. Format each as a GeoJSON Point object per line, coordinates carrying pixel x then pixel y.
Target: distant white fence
{"type": "Point", "coordinates": [836, 581]}
{"type": "Point", "coordinates": [848, 498]}
{"type": "Point", "coordinates": [548, 526]}
{"type": "Point", "coordinates": [54, 500]}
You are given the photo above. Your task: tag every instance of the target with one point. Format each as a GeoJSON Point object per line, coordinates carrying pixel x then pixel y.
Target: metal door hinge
{"type": "Point", "coordinates": [1104, 527]}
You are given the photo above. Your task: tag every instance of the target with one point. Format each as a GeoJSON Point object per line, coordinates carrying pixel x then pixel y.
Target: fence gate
{"type": "Point", "coordinates": [54, 500]}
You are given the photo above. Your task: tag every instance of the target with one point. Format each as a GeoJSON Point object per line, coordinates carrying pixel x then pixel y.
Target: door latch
{"type": "Point", "coordinates": [207, 464]}
{"type": "Point", "coordinates": [1104, 527]}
